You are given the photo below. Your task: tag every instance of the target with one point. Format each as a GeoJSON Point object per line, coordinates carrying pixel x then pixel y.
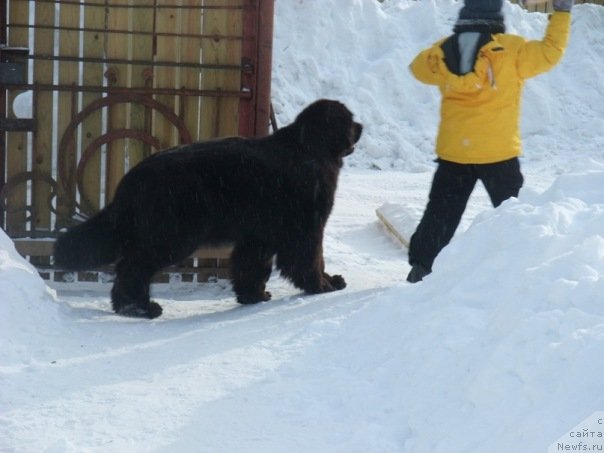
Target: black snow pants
{"type": "Point", "coordinates": [451, 188]}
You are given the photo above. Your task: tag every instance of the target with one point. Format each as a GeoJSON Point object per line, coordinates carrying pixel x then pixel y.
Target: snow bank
{"type": "Point", "coordinates": [515, 308]}
{"type": "Point", "coordinates": [28, 307]}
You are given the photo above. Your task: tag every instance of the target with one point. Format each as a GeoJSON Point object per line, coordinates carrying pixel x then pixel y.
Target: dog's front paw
{"type": "Point", "coordinates": [333, 282]}
{"type": "Point", "coordinates": [337, 282]}
{"type": "Point", "coordinates": [247, 299]}
{"type": "Point", "coordinates": [151, 311]}
{"type": "Point", "coordinates": [325, 284]}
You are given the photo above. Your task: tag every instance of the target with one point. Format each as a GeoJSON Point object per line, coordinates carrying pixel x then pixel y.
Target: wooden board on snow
{"type": "Point", "coordinates": [399, 221]}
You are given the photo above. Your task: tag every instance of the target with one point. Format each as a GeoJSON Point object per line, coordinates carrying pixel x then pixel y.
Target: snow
{"type": "Point", "coordinates": [498, 350]}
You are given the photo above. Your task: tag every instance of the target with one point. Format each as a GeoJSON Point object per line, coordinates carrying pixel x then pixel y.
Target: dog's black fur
{"type": "Point", "coordinates": [267, 196]}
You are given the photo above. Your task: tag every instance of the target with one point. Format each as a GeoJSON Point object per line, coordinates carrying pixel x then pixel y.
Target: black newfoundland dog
{"type": "Point", "coordinates": [268, 196]}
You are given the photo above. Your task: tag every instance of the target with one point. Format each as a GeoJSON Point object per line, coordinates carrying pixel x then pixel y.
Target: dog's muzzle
{"type": "Point", "coordinates": [356, 131]}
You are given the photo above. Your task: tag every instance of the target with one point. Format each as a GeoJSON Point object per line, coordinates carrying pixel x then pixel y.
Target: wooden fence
{"type": "Point", "coordinates": [547, 6]}
{"type": "Point", "coordinates": [109, 82]}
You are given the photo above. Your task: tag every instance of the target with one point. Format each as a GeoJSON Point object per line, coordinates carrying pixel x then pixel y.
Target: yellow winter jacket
{"type": "Point", "coordinates": [480, 111]}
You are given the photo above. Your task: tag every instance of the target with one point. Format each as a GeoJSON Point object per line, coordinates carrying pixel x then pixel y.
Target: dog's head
{"type": "Point", "coordinates": [327, 127]}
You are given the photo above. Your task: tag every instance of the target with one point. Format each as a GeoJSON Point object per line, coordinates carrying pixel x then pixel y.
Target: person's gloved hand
{"type": "Point", "coordinates": [563, 5]}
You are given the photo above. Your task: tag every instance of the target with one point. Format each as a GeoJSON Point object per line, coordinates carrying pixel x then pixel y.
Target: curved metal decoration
{"type": "Point", "coordinates": [22, 178]}
{"type": "Point", "coordinates": [65, 172]}
{"type": "Point", "coordinates": [86, 205]}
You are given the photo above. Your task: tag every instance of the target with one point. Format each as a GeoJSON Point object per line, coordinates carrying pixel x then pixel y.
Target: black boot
{"type": "Point", "coordinates": [417, 273]}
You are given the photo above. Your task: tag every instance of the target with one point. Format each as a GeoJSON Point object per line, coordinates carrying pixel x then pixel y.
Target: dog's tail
{"type": "Point", "coordinates": [88, 245]}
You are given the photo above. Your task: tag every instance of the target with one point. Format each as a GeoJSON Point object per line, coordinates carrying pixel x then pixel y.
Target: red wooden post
{"type": "Point", "coordinates": [254, 112]}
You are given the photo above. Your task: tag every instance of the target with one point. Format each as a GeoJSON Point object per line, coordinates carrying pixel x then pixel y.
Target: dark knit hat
{"type": "Point", "coordinates": [482, 10]}
{"type": "Point", "coordinates": [481, 13]}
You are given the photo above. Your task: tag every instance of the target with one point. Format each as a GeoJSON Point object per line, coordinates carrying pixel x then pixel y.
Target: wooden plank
{"type": "Point", "coordinates": [391, 229]}
{"type": "Point", "coordinates": [43, 136]}
{"type": "Point", "coordinates": [264, 63]}
{"type": "Point", "coordinates": [190, 22]}
{"type": "Point", "coordinates": [167, 49]}
{"type": "Point", "coordinates": [92, 126]}
{"type": "Point", "coordinates": [222, 252]}
{"type": "Point", "coordinates": [539, 6]}
{"type": "Point", "coordinates": [69, 45]}
{"type": "Point", "coordinates": [118, 48]}
{"type": "Point", "coordinates": [547, 6]}
{"type": "Point", "coordinates": [16, 142]}
{"type": "Point", "coordinates": [399, 221]}
{"type": "Point", "coordinates": [44, 247]}
{"type": "Point", "coordinates": [220, 115]}
{"type": "Point", "coordinates": [34, 247]}
{"type": "Point", "coordinates": [140, 48]}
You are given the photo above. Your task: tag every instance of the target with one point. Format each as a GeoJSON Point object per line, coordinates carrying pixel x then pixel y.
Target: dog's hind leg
{"type": "Point", "coordinates": [130, 292]}
{"type": "Point", "coordinates": [251, 267]}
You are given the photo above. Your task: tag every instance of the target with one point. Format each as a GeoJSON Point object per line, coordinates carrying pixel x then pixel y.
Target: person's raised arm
{"type": "Point", "coordinates": [536, 57]}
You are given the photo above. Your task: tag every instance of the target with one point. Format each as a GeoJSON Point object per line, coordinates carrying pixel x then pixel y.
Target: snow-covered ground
{"type": "Point", "coordinates": [501, 349]}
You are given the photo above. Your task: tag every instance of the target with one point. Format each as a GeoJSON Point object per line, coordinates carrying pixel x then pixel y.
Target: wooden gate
{"type": "Point", "coordinates": [547, 5]}
{"type": "Point", "coordinates": [89, 88]}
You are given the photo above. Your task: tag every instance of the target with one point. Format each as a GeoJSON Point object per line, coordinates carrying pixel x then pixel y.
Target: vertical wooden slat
{"type": "Point", "coordinates": [190, 77]}
{"type": "Point", "coordinates": [69, 46]}
{"type": "Point", "coordinates": [117, 48]}
{"type": "Point", "coordinates": [141, 48]}
{"type": "Point", "coordinates": [264, 65]}
{"type": "Point", "coordinates": [94, 42]}
{"type": "Point", "coordinates": [220, 115]}
{"type": "Point", "coordinates": [42, 144]}
{"type": "Point", "coordinates": [167, 49]}
{"type": "Point", "coordinates": [16, 142]}
{"type": "Point", "coordinates": [547, 6]}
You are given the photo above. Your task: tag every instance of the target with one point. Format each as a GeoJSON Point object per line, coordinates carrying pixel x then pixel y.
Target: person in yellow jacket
{"type": "Point", "coordinates": [480, 71]}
